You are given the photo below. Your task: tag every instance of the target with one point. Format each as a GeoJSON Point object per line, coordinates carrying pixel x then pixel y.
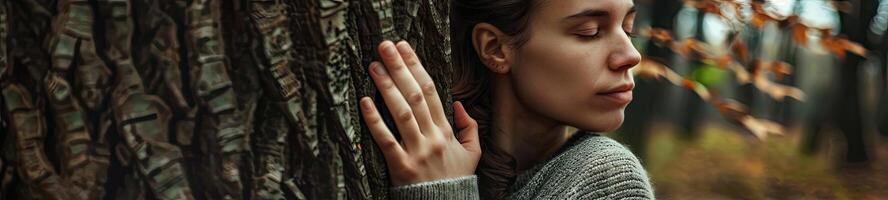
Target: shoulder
{"type": "Point", "coordinates": [593, 152]}
{"type": "Point", "coordinates": [606, 168]}
{"type": "Point", "coordinates": [594, 167]}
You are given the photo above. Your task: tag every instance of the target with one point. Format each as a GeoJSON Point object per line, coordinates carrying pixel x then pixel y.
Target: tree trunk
{"type": "Point", "coordinates": [855, 25]}
{"type": "Point", "coordinates": [201, 99]}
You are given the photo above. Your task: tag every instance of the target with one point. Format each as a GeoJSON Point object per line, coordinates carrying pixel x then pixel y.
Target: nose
{"type": "Point", "coordinates": [624, 55]}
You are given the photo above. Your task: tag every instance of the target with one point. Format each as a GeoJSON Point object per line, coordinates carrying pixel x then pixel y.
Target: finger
{"type": "Point", "coordinates": [468, 128]}
{"type": "Point", "coordinates": [390, 147]}
{"type": "Point", "coordinates": [407, 85]}
{"type": "Point", "coordinates": [398, 107]}
{"type": "Point", "coordinates": [426, 84]}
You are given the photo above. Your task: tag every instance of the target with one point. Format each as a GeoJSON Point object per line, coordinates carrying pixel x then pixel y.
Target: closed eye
{"type": "Point", "coordinates": [588, 33]}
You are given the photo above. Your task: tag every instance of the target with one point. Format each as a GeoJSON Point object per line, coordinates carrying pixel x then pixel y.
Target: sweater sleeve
{"type": "Point", "coordinates": [448, 189]}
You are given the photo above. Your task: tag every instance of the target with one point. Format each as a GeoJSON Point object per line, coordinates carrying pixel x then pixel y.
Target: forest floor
{"type": "Point", "coordinates": [722, 162]}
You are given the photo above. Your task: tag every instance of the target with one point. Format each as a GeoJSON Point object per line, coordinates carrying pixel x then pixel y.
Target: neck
{"type": "Point", "coordinates": [526, 135]}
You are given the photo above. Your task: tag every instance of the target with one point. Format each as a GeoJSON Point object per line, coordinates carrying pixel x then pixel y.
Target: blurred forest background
{"type": "Point", "coordinates": [762, 99]}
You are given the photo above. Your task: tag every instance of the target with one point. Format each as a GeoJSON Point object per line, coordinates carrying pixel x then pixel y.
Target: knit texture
{"type": "Point", "coordinates": [458, 188]}
{"type": "Point", "coordinates": [589, 166]}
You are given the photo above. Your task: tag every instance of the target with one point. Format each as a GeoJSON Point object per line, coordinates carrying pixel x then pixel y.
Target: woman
{"type": "Point", "coordinates": [526, 71]}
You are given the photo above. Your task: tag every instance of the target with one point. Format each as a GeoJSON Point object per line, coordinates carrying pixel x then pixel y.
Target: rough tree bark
{"type": "Point", "coordinates": [200, 99]}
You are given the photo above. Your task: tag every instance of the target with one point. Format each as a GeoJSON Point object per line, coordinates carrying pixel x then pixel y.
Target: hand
{"type": "Point", "coordinates": [429, 150]}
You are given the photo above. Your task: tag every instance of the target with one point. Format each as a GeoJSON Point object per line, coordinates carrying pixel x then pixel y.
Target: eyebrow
{"type": "Point", "coordinates": [597, 13]}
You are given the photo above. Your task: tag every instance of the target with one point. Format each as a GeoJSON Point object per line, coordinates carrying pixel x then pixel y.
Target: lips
{"type": "Point", "coordinates": [620, 94]}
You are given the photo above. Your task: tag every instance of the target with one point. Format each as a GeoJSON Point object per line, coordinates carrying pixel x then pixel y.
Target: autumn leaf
{"type": "Point", "coordinates": [697, 88]}
{"type": "Point", "coordinates": [759, 20]}
{"type": "Point", "coordinates": [691, 48]}
{"type": "Point", "coordinates": [759, 16]}
{"type": "Point", "coordinates": [800, 34]}
{"type": "Point", "coordinates": [740, 49]}
{"type": "Point", "coordinates": [761, 128]}
{"type": "Point", "coordinates": [777, 91]}
{"type": "Point", "coordinates": [649, 69]}
{"type": "Point", "coordinates": [854, 47]}
{"type": "Point", "coordinates": [743, 76]}
{"type": "Point", "coordinates": [730, 108]}
{"type": "Point", "coordinates": [839, 45]}
{"type": "Point", "coordinates": [780, 69]}
{"type": "Point", "coordinates": [724, 61]}
{"type": "Point", "coordinates": [789, 21]}
{"type": "Point", "coordinates": [739, 114]}
{"type": "Point", "coordinates": [833, 46]}
{"type": "Point", "coordinates": [709, 7]}
{"type": "Point", "coordinates": [658, 35]}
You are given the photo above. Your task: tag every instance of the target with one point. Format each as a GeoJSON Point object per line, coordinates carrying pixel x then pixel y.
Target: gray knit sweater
{"type": "Point", "coordinates": [589, 166]}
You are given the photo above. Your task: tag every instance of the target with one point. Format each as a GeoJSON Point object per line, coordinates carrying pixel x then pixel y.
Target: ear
{"type": "Point", "coordinates": [492, 47]}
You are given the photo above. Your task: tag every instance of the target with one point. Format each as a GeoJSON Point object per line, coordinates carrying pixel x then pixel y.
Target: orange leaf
{"type": "Point", "coordinates": [834, 46]}
{"type": "Point", "coordinates": [759, 17]}
{"type": "Point", "coordinates": [780, 69]}
{"type": "Point", "coordinates": [855, 48]}
{"type": "Point", "coordinates": [724, 61]}
{"type": "Point", "coordinates": [800, 34]}
{"type": "Point", "coordinates": [658, 35]}
{"type": "Point", "coordinates": [740, 49]}
{"type": "Point", "coordinates": [709, 7]}
{"type": "Point", "coordinates": [759, 20]}
{"type": "Point", "coordinates": [761, 128]}
{"type": "Point", "coordinates": [697, 88]}
{"type": "Point", "coordinates": [731, 108]}
{"type": "Point", "coordinates": [776, 91]}
{"type": "Point", "coordinates": [649, 69]}
{"type": "Point", "coordinates": [687, 83]}
{"type": "Point", "coordinates": [743, 76]}
{"type": "Point", "coordinates": [791, 20]}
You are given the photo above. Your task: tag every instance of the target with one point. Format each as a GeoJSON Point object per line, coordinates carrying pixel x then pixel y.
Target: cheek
{"type": "Point", "coordinates": [561, 82]}
{"type": "Point", "coordinates": [551, 76]}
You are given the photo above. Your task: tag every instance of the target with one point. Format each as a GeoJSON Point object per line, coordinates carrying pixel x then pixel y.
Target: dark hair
{"type": "Point", "coordinates": [472, 83]}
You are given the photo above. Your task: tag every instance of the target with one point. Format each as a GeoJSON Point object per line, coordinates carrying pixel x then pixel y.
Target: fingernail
{"type": "Point", "coordinates": [365, 103]}
{"type": "Point", "coordinates": [402, 44]}
{"type": "Point", "coordinates": [389, 48]}
{"type": "Point", "coordinates": [378, 68]}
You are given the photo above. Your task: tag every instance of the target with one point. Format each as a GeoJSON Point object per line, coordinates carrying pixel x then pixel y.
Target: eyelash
{"type": "Point", "coordinates": [588, 36]}
{"type": "Point", "coordinates": [631, 34]}
{"type": "Point", "coordinates": [597, 33]}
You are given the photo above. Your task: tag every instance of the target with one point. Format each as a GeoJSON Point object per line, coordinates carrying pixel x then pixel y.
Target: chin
{"type": "Point", "coordinates": [604, 122]}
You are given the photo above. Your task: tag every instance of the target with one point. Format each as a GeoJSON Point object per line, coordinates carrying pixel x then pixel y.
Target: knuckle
{"type": "Point", "coordinates": [396, 67]}
{"type": "Point", "coordinates": [412, 61]}
{"type": "Point", "coordinates": [437, 148]}
{"type": "Point", "coordinates": [388, 144]}
{"type": "Point", "coordinates": [448, 134]}
{"type": "Point", "coordinates": [421, 158]}
{"type": "Point", "coordinates": [428, 88]}
{"type": "Point", "coordinates": [415, 98]}
{"type": "Point", "coordinates": [406, 115]}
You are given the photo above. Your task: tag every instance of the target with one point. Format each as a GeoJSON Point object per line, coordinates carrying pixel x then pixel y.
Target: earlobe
{"type": "Point", "coordinates": [492, 47]}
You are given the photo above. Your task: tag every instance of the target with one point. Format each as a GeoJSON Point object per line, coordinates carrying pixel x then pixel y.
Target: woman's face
{"type": "Point", "coordinates": [574, 66]}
